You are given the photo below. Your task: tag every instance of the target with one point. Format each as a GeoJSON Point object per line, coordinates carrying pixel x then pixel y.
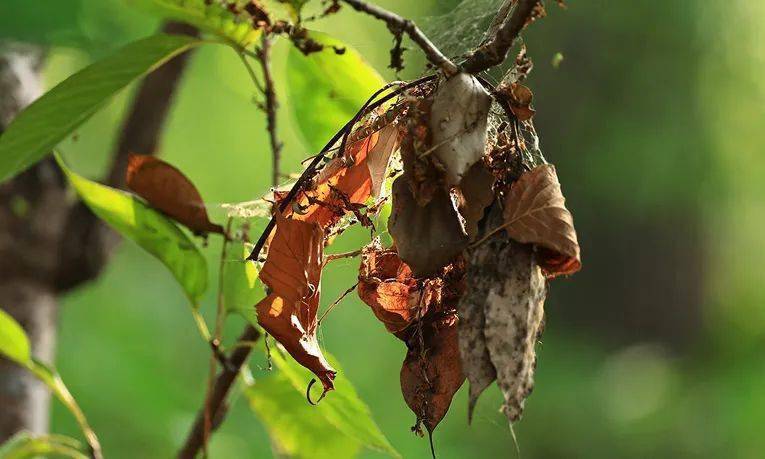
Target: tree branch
{"type": "Point", "coordinates": [217, 401]}
{"type": "Point", "coordinates": [494, 51]}
{"type": "Point", "coordinates": [397, 25]}
{"type": "Point", "coordinates": [272, 106]}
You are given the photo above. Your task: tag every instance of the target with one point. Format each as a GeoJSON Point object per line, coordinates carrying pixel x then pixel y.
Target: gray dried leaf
{"type": "Point", "coordinates": [458, 124]}
{"type": "Point", "coordinates": [514, 311]}
{"type": "Point", "coordinates": [482, 275]}
{"type": "Point", "coordinates": [427, 237]}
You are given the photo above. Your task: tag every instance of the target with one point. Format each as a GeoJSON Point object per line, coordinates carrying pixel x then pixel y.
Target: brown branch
{"type": "Point", "coordinates": [217, 400]}
{"type": "Point", "coordinates": [87, 243]}
{"type": "Point", "coordinates": [271, 107]}
{"type": "Point", "coordinates": [494, 51]}
{"type": "Point", "coordinates": [398, 25]}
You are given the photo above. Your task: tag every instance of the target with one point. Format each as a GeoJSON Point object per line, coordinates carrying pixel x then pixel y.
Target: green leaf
{"type": "Point", "coordinates": [295, 427]}
{"type": "Point", "coordinates": [148, 228]}
{"type": "Point", "coordinates": [212, 17]}
{"type": "Point", "coordinates": [55, 115]}
{"type": "Point", "coordinates": [342, 407]}
{"type": "Point", "coordinates": [326, 89]}
{"type": "Point", "coordinates": [241, 289]}
{"type": "Point", "coordinates": [14, 343]}
{"type": "Point", "coordinates": [23, 445]}
{"type": "Point", "coordinates": [52, 379]}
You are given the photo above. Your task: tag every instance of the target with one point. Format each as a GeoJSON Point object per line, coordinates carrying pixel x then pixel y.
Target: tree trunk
{"type": "Point", "coordinates": [25, 401]}
{"type": "Point", "coordinates": [28, 214]}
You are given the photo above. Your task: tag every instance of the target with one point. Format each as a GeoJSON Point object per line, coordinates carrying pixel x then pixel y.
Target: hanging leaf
{"type": "Point", "coordinates": [432, 371]}
{"type": "Point", "coordinates": [475, 193]}
{"type": "Point", "coordinates": [327, 88]}
{"type": "Point", "coordinates": [482, 276]}
{"type": "Point", "coordinates": [293, 273]}
{"type": "Point", "coordinates": [295, 428]}
{"type": "Point", "coordinates": [151, 230]}
{"type": "Point", "coordinates": [240, 26]}
{"type": "Point", "coordinates": [294, 326]}
{"type": "Point", "coordinates": [344, 409]}
{"type": "Point", "coordinates": [14, 343]}
{"type": "Point", "coordinates": [169, 191]}
{"type": "Point", "coordinates": [458, 123]}
{"type": "Point", "coordinates": [293, 267]}
{"type": "Point", "coordinates": [55, 115]}
{"type": "Point", "coordinates": [535, 212]}
{"type": "Point", "coordinates": [514, 311]}
{"type": "Point", "coordinates": [428, 237]}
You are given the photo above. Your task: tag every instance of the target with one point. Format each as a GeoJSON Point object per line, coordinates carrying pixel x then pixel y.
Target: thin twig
{"type": "Point", "coordinates": [337, 301]}
{"type": "Point", "coordinates": [494, 51]}
{"type": "Point", "coordinates": [340, 256]}
{"type": "Point", "coordinates": [397, 25]}
{"type": "Point", "coordinates": [216, 354]}
{"type": "Point", "coordinates": [223, 384]}
{"type": "Point", "coordinates": [272, 106]}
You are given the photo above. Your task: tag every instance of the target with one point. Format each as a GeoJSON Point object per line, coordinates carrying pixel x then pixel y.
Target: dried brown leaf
{"type": "Point", "coordinates": [293, 267]}
{"type": "Point", "coordinates": [379, 156]}
{"type": "Point", "coordinates": [427, 237]}
{"type": "Point", "coordinates": [535, 212]}
{"type": "Point", "coordinates": [520, 98]}
{"type": "Point", "coordinates": [293, 324]}
{"type": "Point", "coordinates": [475, 193]}
{"type": "Point", "coordinates": [432, 371]}
{"type": "Point", "coordinates": [169, 191]}
{"type": "Point", "coordinates": [387, 286]}
{"type": "Point", "coordinates": [292, 272]}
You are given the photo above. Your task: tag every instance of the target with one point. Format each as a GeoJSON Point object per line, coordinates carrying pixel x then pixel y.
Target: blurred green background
{"type": "Point", "coordinates": [655, 121]}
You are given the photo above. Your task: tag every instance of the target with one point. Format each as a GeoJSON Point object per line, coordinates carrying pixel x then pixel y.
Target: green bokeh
{"type": "Point", "coordinates": [654, 119]}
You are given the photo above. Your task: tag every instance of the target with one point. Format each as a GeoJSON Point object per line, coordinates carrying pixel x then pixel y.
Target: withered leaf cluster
{"type": "Point", "coordinates": [493, 264]}
{"type": "Point", "coordinates": [479, 226]}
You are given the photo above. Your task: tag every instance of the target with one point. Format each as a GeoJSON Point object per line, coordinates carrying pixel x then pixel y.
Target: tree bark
{"type": "Point", "coordinates": [28, 213]}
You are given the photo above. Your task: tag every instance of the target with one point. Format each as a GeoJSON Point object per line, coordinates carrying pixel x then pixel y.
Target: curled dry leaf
{"type": "Point", "coordinates": [341, 187]}
{"type": "Point", "coordinates": [379, 156]}
{"type": "Point", "coordinates": [166, 189]}
{"type": "Point", "coordinates": [421, 312]}
{"type": "Point", "coordinates": [514, 311]}
{"type": "Point", "coordinates": [520, 98]}
{"type": "Point", "coordinates": [387, 286]}
{"type": "Point", "coordinates": [427, 237]}
{"type": "Point", "coordinates": [535, 212]}
{"type": "Point", "coordinates": [292, 272]}
{"type": "Point", "coordinates": [474, 194]}
{"type": "Point", "coordinates": [458, 124]}
{"type": "Point", "coordinates": [432, 371]}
